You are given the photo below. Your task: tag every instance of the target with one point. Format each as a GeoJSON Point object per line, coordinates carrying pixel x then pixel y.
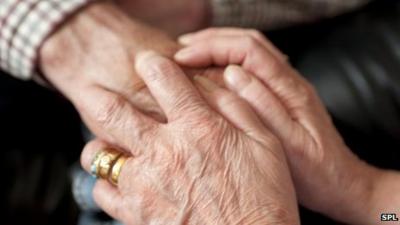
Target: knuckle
{"type": "Point", "coordinates": [130, 171]}
{"type": "Point", "coordinates": [310, 151]}
{"type": "Point", "coordinates": [89, 151]}
{"type": "Point", "coordinates": [229, 99]}
{"type": "Point", "coordinates": [53, 54]}
{"type": "Point", "coordinates": [108, 113]}
{"type": "Point", "coordinates": [311, 154]}
{"type": "Point", "coordinates": [255, 33]}
{"type": "Point", "coordinates": [202, 124]}
{"type": "Point", "coordinates": [275, 66]}
{"type": "Point", "coordinates": [210, 31]}
{"type": "Point", "coordinates": [250, 42]}
{"type": "Point", "coordinates": [188, 104]}
{"type": "Point", "coordinates": [306, 94]}
{"type": "Point", "coordinates": [140, 137]}
{"type": "Point", "coordinates": [159, 68]}
{"type": "Point", "coordinates": [206, 119]}
{"type": "Point", "coordinates": [255, 93]}
{"type": "Point", "coordinates": [273, 142]}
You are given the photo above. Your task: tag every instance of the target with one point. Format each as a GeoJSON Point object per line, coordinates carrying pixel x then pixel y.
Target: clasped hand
{"type": "Point", "coordinates": [220, 157]}
{"type": "Point", "coordinates": [223, 150]}
{"type": "Point", "coordinates": [212, 162]}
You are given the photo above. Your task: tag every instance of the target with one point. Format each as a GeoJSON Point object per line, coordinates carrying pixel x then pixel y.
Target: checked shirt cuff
{"type": "Point", "coordinates": [24, 25]}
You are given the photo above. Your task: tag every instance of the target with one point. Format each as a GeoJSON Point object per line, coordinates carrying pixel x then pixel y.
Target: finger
{"type": "Point", "coordinates": [134, 181]}
{"type": "Point", "coordinates": [106, 196]}
{"type": "Point", "coordinates": [82, 189]}
{"type": "Point", "coordinates": [109, 199]}
{"type": "Point", "coordinates": [89, 152]}
{"type": "Point", "coordinates": [261, 99]}
{"type": "Point", "coordinates": [219, 50]}
{"type": "Point", "coordinates": [282, 80]}
{"type": "Point", "coordinates": [113, 118]}
{"type": "Point", "coordinates": [210, 33]}
{"type": "Point", "coordinates": [169, 85]}
{"type": "Point", "coordinates": [132, 168]}
{"type": "Point", "coordinates": [230, 106]}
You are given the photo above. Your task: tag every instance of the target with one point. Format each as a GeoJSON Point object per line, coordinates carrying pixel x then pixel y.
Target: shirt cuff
{"type": "Point", "coordinates": [25, 27]}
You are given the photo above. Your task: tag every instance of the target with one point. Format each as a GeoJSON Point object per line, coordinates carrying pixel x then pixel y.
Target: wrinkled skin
{"type": "Point", "coordinates": [327, 176]}
{"type": "Point", "coordinates": [90, 59]}
{"type": "Point", "coordinates": [197, 168]}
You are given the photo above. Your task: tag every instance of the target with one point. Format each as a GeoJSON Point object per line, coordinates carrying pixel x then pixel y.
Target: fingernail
{"type": "Point", "coordinates": [183, 53]}
{"type": "Point", "coordinates": [205, 83]}
{"type": "Point", "coordinates": [185, 39]}
{"type": "Point", "coordinates": [236, 77]}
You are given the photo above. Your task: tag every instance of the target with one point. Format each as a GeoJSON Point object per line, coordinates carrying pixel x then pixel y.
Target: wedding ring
{"type": "Point", "coordinates": [103, 162]}
{"type": "Point", "coordinates": [116, 169]}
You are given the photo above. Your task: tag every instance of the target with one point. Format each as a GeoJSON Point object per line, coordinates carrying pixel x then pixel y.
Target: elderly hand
{"type": "Point", "coordinates": [197, 168]}
{"type": "Point", "coordinates": [90, 59]}
{"type": "Point", "coordinates": [327, 176]}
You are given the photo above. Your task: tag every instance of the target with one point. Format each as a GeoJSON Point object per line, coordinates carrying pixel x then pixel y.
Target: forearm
{"type": "Point", "coordinates": [371, 192]}
{"type": "Point", "coordinates": [356, 197]}
{"type": "Point", "coordinates": [346, 188]}
{"type": "Point", "coordinates": [386, 198]}
{"type": "Point", "coordinates": [24, 25]}
{"type": "Point", "coordinates": [100, 36]}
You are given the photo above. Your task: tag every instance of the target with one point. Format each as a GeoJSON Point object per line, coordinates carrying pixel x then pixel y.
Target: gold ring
{"type": "Point", "coordinates": [116, 169]}
{"type": "Point", "coordinates": [103, 162]}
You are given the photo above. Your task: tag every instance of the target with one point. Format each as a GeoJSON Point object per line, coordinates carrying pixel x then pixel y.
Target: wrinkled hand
{"type": "Point", "coordinates": [91, 58]}
{"type": "Point", "coordinates": [174, 16]}
{"type": "Point", "coordinates": [197, 168]}
{"type": "Point", "coordinates": [327, 176]}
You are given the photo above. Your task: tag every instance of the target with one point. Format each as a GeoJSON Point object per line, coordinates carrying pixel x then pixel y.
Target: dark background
{"type": "Point", "coordinates": [353, 60]}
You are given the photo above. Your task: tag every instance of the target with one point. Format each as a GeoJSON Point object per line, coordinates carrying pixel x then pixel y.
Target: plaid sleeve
{"type": "Point", "coordinates": [267, 14]}
{"type": "Point", "coordinates": [24, 24]}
